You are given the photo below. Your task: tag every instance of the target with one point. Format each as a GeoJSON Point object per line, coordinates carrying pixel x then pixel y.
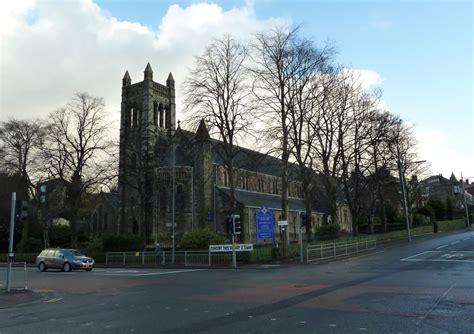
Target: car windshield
{"type": "Point", "coordinates": [73, 252]}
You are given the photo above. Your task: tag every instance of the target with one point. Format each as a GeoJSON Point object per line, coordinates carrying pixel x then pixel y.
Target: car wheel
{"type": "Point", "coordinates": [88, 269]}
{"type": "Point", "coordinates": [67, 267]}
{"type": "Point", "coordinates": [41, 266]}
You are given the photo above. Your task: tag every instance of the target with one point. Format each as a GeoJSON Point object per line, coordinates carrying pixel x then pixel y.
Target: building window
{"type": "Point", "coordinates": [261, 185]}
{"type": "Point", "coordinates": [244, 180]}
{"type": "Point", "coordinates": [275, 186]}
{"type": "Point", "coordinates": [133, 117]}
{"type": "Point", "coordinates": [226, 178]}
{"type": "Point", "coordinates": [160, 110]}
{"type": "Point", "coordinates": [155, 113]}
{"type": "Point", "coordinates": [180, 203]}
{"type": "Point", "coordinates": [163, 199]}
{"type": "Point", "coordinates": [106, 220]}
{"type": "Point", "coordinates": [135, 227]}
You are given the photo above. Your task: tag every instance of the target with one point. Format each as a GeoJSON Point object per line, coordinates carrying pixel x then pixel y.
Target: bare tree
{"type": "Point", "coordinates": [274, 59]}
{"type": "Point", "coordinates": [353, 145]}
{"type": "Point", "coordinates": [20, 141]}
{"type": "Point", "coordinates": [309, 64]}
{"type": "Point", "coordinates": [404, 158]}
{"type": "Point", "coordinates": [328, 122]}
{"type": "Point", "coordinates": [78, 152]}
{"type": "Point", "coordinates": [216, 91]}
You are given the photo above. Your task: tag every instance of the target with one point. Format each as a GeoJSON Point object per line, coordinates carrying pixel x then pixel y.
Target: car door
{"type": "Point", "coordinates": [48, 258]}
{"type": "Point", "coordinates": [55, 259]}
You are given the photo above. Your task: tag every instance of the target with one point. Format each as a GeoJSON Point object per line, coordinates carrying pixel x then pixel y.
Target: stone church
{"type": "Point", "coordinates": [148, 125]}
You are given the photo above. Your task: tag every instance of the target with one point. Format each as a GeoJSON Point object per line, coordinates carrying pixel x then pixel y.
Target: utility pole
{"type": "Point", "coordinates": [468, 225]}
{"type": "Point", "coordinates": [10, 241]}
{"type": "Point", "coordinates": [404, 196]}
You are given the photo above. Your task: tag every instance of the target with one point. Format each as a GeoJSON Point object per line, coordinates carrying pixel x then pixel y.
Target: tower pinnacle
{"type": "Point", "coordinates": [148, 72]}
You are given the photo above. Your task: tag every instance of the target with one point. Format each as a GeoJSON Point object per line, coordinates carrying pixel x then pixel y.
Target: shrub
{"type": "Point", "coordinates": [121, 243]}
{"type": "Point", "coordinates": [427, 210]}
{"type": "Point", "coordinates": [30, 245]}
{"type": "Point", "coordinates": [326, 232]}
{"type": "Point", "coordinates": [94, 246]}
{"type": "Point", "coordinates": [201, 239]}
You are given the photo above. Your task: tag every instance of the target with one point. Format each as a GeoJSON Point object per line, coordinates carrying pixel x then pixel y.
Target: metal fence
{"type": "Point", "coordinates": [19, 278]}
{"type": "Point", "coordinates": [327, 251]}
{"type": "Point", "coordinates": [186, 258]}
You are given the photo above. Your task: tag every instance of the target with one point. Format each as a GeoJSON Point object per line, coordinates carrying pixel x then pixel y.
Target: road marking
{"type": "Point", "coordinates": [408, 258]}
{"type": "Point", "coordinates": [332, 325]}
{"type": "Point", "coordinates": [137, 273]}
{"type": "Point", "coordinates": [442, 246]}
{"type": "Point", "coordinates": [456, 242]}
{"type": "Point", "coordinates": [54, 300]}
{"type": "Point", "coordinates": [273, 319]}
{"type": "Point", "coordinates": [250, 317]}
{"type": "Point", "coordinates": [171, 272]}
{"type": "Point", "coordinates": [302, 322]}
{"type": "Point", "coordinates": [363, 329]}
{"type": "Point", "coordinates": [435, 305]}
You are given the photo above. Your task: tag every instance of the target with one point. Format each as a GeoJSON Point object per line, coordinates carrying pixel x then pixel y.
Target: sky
{"type": "Point", "coordinates": [418, 52]}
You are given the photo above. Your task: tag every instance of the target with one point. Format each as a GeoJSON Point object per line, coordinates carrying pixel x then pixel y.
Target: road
{"type": "Point", "coordinates": [423, 287]}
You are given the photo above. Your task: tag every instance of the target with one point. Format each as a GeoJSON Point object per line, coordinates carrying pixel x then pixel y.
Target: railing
{"type": "Point", "coordinates": [327, 251]}
{"type": "Point", "coordinates": [186, 258]}
{"type": "Point", "coordinates": [16, 276]}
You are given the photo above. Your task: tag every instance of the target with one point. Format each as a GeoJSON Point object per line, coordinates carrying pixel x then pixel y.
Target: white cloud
{"type": "Point", "coordinates": [434, 146]}
{"type": "Point", "coordinates": [50, 50]}
{"type": "Point", "coordinates": [366, 78]}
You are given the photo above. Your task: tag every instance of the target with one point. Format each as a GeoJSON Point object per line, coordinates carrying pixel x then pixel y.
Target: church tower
{"type": "Point", "coordinates": [148, 112]}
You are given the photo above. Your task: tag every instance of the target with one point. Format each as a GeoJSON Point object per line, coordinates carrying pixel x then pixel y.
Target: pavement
{"type": "Point", "coordinates": [20, 297]}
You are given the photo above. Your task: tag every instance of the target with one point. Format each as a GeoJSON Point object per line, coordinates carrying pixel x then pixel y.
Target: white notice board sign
{"type": "Point", "coordinates": [228, 248]}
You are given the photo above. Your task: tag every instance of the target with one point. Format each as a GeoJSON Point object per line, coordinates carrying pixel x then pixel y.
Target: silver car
{"type": "Point", "coordinates": [64, 259]}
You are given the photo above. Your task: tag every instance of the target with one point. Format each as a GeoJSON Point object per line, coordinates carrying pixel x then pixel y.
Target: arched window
{"type": "Point", "coordinates": [180, 202]}
{"type": "Point", "coordinates": [162, 116]}
{"type": "Point", "coordinates": [163, 199]}
{"type": "Point", "coordinates": [226, 178]}
{"type": "Point", "coordinates": [167, 116]}
{"type": "Point", "coordinates": [155, 113]}
{"type": "Point", "coordinates": [94, 223]}
{"type": "Point", "coordinates": [134, 117]}
{"type": "Point", "coordinates": [135, 227]}
{"type": "Point", "coordinates": [140, 119]}
{"type": "Point", "coordinates": [106, 220]}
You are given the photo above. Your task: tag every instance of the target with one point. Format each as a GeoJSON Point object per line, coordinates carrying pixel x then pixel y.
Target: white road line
{"type": "Point", "coordinates": [456, 242]}
{"type": "Point", "coordinates": [408, 258]}
{"type": "Point", "coordinates": [171, 272]}
{"type": "Point", "coordinates": [133, 274]}
{"type": "Point", "coordinates": [442, 246]}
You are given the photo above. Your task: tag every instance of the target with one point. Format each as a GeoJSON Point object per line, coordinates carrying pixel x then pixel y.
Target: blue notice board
{"type": "Point", "coordinates": [265, 223]}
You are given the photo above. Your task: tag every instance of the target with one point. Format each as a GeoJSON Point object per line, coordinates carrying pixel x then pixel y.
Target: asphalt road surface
{"type": "Point", "coordinates": [423, 287]}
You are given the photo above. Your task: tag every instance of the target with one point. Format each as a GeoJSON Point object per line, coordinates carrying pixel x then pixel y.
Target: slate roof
{"type": "Point", "coordinates": [244, 159]}
{"type": "Point", "coordinates": [270, 201]}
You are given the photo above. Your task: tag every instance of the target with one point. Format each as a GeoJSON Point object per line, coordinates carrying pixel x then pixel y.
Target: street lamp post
{"type": "Point", "coordinates": [404, 195]}
{"type": "Point", "coordinates": [468, 225]}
